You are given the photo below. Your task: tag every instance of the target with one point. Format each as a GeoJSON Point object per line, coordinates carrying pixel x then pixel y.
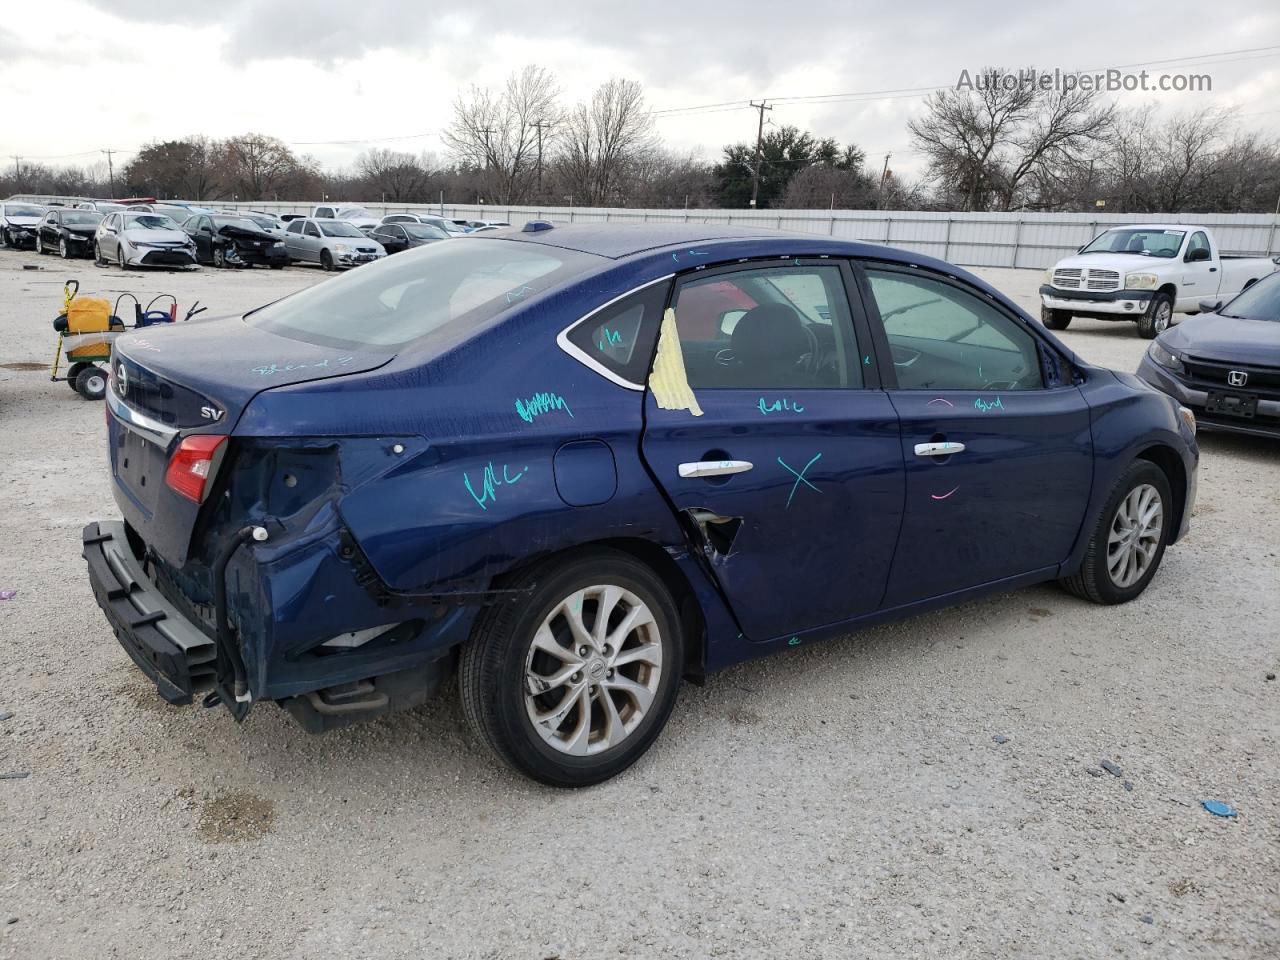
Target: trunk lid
{"type": "Point", "coordinates": [196, 378]}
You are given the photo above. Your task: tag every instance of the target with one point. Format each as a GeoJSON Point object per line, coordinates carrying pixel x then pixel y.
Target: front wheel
{"type": "Point", "coordinates": [326, 260]}
{"type": "Point", "coordinates": [39, 245]}
{"type": "Point", "coordinates": [1158, 316]}
{"type": "Point", "coordinates": [1129, 540]}
{"type": "Point", "coordinates": [573, 684]}
{"type": "Point", "coordinates": [120, 257]}
{"type": "Point", "coordinates": [64, 250]}
{"type": "Point", "coordinates": [219, 258]}
{"type": "Point", "coordinates": [1055, 319]}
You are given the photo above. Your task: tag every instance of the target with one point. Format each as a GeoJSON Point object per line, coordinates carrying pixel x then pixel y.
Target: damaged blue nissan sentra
{"type": "Point", "coordinates": [576, 464]}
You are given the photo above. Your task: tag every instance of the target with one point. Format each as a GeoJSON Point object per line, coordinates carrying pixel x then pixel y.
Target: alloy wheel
{"type": "Point", "coordinates": [592, 670]}
{"type": "Point", "coordinates": [1164, 313]}
{"type": "Point", "coordinates": [63, 252]}
{"type": "Point", "coordinates": [1135, 535]}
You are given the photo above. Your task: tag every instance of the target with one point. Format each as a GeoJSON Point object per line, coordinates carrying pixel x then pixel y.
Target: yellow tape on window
{"type": "Point", "coordinates": [668, 381]}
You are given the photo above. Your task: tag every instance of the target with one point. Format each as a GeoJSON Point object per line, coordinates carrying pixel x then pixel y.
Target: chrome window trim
{"type": "Point", "coordinates": [158, 433]}
{"type": "Point", "coordinates": [590, 362]}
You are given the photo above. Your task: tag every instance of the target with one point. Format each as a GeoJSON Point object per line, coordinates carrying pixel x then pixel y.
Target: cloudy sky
{"type": "Point", "coordinates": [333, 77]}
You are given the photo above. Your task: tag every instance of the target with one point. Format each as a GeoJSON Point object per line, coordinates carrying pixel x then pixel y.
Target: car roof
{"type": "Point", "coordinates": [623, 240]}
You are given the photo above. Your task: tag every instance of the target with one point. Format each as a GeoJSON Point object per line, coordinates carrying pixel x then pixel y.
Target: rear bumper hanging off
{"type": "Point", "coordinates": [174, 653]}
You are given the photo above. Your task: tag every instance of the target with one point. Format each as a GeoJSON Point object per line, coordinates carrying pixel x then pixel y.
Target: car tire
{"type": "Point", "coordinates": [326, 260]}
{"type": "Point", "coordinates": [1105, 576]}
{"type": "Point", "coordinates": [1055, 319]}
{"type": "Point", "coordinates": [219, 258]}
{"type": "Point", "coordinates": [277, 266]}
{"type": "Point", "coordinates": [638, 674]}
{"type": "Point", "coordinates": [4, 238]}
{"type": "Point", "coordinates": [91, 383]}
{"type": "Point", "coordinates": [73, 373]}
{"type": "Point", "coordinates": [98, 260]}
{"type": "Point", "coordinates": [120, 257]}
{"type": "Point", "coordinates": [64, 248]}
{"type": "Point", "coordinates": [39, 245]}
{"type": "Point", "coordinates": [1157, 317]}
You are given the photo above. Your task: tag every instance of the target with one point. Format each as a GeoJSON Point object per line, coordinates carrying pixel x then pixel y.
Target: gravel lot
{"type": "Point", "coordinates": [918, 790]}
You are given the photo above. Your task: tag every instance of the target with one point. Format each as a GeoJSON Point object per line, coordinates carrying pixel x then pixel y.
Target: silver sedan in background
{"type": "Point", "coordinates": [334, 244]}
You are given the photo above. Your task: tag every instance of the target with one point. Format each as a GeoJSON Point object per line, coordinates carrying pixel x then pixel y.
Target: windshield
{"type": "Point", "coordinates": [424, 231]}
{"type": "Point", "coordinates": [1260, 302]}
{"type": "Point", "coordinates": [339, 229]}
{"type": "Point", "coordinates": [244, 223]}
{"type": "Point", "coordinates": [413, 294]}
{"type": "Point", "coordinates": [267, 223]}
{"type": "Point", "coordinates": [108, 207]}
{"type": "Point", "coordinates": [348, 212]}
{"type": "Point", "coordinates": [148, 221]}
{"type": "Point", "coordinates": [80, 216]}
{"type": "Point", "coordinates": [22, 210]}
{"type": "Point", "coordinates": [1144, 243]}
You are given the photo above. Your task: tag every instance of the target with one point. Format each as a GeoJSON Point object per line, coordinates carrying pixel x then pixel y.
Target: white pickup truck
{"type": "Point", "coordinates": [1147, 273]}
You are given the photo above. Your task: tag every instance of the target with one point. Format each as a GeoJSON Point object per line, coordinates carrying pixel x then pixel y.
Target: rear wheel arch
{"type": "Point", "coordinates": [1170, 464]}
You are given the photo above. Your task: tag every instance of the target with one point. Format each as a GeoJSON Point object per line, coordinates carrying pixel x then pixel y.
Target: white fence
{"type": "Point", "coordinates": [1029, 240]}
{"type": "Point", "coordinates": [1034, 240]}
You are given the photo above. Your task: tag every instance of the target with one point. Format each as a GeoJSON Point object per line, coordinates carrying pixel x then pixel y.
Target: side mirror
{"type": "Point", "coordinates": [1194, 256]}
{"type": "Point", "coordinates": [1210, 306]}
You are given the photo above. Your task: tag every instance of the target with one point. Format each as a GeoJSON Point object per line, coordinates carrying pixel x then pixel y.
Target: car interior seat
{"type": "Point", "coordinates": [771, 345]}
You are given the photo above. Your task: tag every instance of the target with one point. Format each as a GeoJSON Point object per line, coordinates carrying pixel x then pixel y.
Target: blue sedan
{"type": "Point", "coordinates": [572, 465]}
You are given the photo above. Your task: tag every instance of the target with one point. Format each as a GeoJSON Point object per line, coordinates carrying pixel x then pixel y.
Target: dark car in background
{"type": "Point", "coordinates": [449, 226]}
{"type": "Point", "coordinates": [227, 241]}
{"type": "Point", "coordinates": [1225, 363]}
{"type": "Point", "coordinates": [18, 223]}
{"type": "Point", "coordinates": [396, 237]}
{"type": "Point", "coordinates": [578, 464]}
{"type": "Point", "coordinates": [69, 233]}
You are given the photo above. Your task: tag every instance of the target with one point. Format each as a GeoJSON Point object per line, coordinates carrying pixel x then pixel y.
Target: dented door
{"type": "Point", "coordinates": [783, 461]}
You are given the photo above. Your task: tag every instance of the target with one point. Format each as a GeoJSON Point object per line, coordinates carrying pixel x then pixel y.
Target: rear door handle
{"type": "Point", "coordinates": [944, 449]}
{"type": "Point", "coordinates": [714, 468]}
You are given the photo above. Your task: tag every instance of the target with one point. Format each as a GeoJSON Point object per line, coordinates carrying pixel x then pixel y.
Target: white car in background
{"type": "Point", "coordinates": [1146, 273]}
{"type": "Point", "coordinates": [132, 239]}
{"type": "Point", "coordinates": [358, 216]}
{"type": "Point", "coordinates": [18, 222]}
{"type": "Point", "coordinates": [448, 226]}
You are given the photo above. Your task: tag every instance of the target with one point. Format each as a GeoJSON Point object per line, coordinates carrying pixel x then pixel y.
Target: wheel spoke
{"type": "Point", "coordinates": [553, 717]}
{"type": "Point", "coordinates": [571, 607]}
{"type": "Point", "coordinates": [576, 741]}
{"type": "Point", "coordinates": [615, 729]}
{"type": "Point", "coordinates": [545, 641]}
{"type": "Point", "coordinates": [640, 695]}
{"type": "Point", "coordinates": [636, 617]}
{"type": "Point", "coordinates": [608, 599]}
{"type": "Point", "coordinates": [643, 653]}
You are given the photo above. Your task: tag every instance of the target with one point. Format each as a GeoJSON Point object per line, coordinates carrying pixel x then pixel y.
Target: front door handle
{"type": "Point", "coordinates": [714, 468]}
{"type": "Point", "coordinates": [944, 449]}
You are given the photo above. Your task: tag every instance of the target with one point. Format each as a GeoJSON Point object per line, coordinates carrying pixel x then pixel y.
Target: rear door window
{"type": "Point", "coordinates": [776, 326]}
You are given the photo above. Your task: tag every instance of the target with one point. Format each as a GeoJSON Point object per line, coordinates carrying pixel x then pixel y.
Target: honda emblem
{"type": "Point", "coordinates": [1237, 378]}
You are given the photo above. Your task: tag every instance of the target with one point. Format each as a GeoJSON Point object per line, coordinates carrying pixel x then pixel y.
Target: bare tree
{"type": "Point", "coordinates": [499, 132]}
{"type": "Point", "coordinates": [256, 166]}
{"type": "Point", "coordinates": [394, 175]}
{"type": "Point", "coordinates": [603, 142]}
{"type": "Point", "coordinates": [188, 169]}
{"type": "Point", "coordinates": [1179, 164]}
{"type": "Point", "coordinates": [985, 143]}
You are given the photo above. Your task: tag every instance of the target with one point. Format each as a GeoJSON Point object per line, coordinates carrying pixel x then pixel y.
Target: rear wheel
{"type": "Point", "coordinates": [326, 259]}
{"type": "Point", "coordinates": [573, 685]}
{"type": "Point", "coordinates": [91, 383]}
{"type": "Point", "coordinates": [1158, 316]}
{"type": "Point", "coordinates": [1129, 540]}
{"type": "Point", "coordinates": [73, 372]}
{"type": "Point", "coordinates": [1055, 319]}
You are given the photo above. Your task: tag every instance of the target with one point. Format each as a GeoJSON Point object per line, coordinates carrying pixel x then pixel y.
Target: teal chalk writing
{"type": "Point", "coordinates": [539, 404]}
{"type": "Point", "coordinates": [800, 477]}
{"type": "Point", "coordinates": [777, 406]}
{"type": "Point", "coordinates": [609, 338]}
{"type": "Point", "coordinates": [793, 642]}
{"type": "Point", "coordinates": [866, 361]}
{"type": "Point", "coordinates": [987, 406]}
{"type": "Point", "coordinates": [489, 484]}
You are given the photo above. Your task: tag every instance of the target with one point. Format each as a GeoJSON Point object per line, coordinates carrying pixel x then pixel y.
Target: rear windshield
{"type": "Point", "coordinates": [405, 297]}
{"type": "Point", "coordinates": [1260, 302]}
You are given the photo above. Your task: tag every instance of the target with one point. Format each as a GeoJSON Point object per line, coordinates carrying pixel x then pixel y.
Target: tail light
{"type": "Point", "coordinates": [193, 464]}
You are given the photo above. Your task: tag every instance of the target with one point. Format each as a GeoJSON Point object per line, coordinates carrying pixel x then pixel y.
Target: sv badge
{"type": "Point", "coordinates": [211, 413]}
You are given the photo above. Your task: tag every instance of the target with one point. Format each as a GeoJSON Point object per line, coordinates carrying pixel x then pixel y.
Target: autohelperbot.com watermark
{"type": "Point", "coordinates": [1106, 81]}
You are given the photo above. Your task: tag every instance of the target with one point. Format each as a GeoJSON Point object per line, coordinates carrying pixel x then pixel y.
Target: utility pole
{"type": "Point", "coordinates": [755, 170]}
{"type": "Point", "coordinates": [111, 173]}
{"type": "Point", "coordinates": [17, 169]}
{"type": "Point", "coordinates": [884, 175]}
{"type": "Point", "coordinates": [538, 125]}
